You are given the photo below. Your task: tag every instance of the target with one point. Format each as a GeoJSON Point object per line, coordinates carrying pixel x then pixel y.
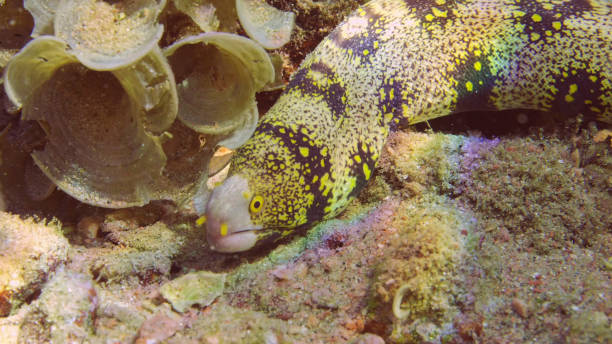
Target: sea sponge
{"type": "Point", "coordinates": [103, 128]}
{"type": "Point", "coordinates": [217, 75]}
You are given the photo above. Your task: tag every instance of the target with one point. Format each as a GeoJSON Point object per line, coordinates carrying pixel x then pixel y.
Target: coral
{"type": "Point", "coordinates": [219, 72]}
{"type": "Point", "coordinates": [30, 251]}
{"type": "Point", "coordinates": [103, 145]}
{"type": "Point", "coordinates": [89, 59]}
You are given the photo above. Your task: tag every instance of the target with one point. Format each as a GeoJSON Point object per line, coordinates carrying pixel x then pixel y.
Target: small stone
{"type": "Point", "coordinates": [355, 325]}
{"type": "Point", "coordinates": [503, 235]}
{"type": "Point", "coordinates": [520, 307]}
{"type": "Point", "coordinates": [469, 326]}
{"type": "Point", "coordinates": [282, 273]}
{"type": "Point", "coordinates": [157, 328]}
{"type": "Point", "coordinates": [201, 287]}
{"type": "Point", "coordinates": [427, 331]}
{"type": "Point", "coordinates": [89, 226]}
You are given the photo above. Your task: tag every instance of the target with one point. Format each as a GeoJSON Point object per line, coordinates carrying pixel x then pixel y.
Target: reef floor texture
{"type": "Point", "coordinates": [470, 232]}
{"type": "Point", "coordinates": [458, 239]}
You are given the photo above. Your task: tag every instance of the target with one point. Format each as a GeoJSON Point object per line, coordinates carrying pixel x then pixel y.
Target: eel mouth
{"type": "Point", "coordinates": [242, 239]}
{"type": "Point", "coordinates": [237, 241]}
{"type": "Point", "coordinates": [223, 239]}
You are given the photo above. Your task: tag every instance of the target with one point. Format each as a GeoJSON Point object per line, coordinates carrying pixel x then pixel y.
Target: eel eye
{"type": "Point", "coordinates": [256, 204]}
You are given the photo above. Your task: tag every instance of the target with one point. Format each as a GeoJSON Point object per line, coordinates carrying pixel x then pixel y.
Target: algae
{"type": "Point", "coordinates": [200, 288]}
{"type": "Point", "coordinates": [536, 270]}
{"type": "Point", "coordinates": [225, 324]}
{"type": "Point", "coordinates": [421, 163]}
{"type": "Point", "coordinates": [142, 251]}
{"type": "Point", "coordinates": [535, 190]}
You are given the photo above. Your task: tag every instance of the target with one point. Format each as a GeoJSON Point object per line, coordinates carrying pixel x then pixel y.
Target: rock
{"type": "Point", "coordinates": [201, 287]}
{"type": "Point", "coordinates": [89, 226]}
{"type": "Point", "coordinates": [158, 328]}
{"type": "Point", "coordinates": [29, 250]}
{"type": "Point", "coordinates": [64, 312]}
{"type": "Point", "coordinates": [520, 307]}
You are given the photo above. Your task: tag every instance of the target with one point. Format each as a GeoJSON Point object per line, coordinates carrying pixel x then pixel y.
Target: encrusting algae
{"type": "Point", "coordinates": [542, 193]}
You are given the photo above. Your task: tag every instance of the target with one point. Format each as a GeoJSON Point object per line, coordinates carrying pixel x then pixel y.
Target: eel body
{"type": "Point", "coordinates": [393, 63]}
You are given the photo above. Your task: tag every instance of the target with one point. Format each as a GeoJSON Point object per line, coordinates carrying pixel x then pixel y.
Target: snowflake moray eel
{"type": "Point", "coordinates": [393, 63]}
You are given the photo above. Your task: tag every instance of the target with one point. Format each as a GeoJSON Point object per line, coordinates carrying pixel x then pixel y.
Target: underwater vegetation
{"type": "Point", "coordinates": [111, 102]}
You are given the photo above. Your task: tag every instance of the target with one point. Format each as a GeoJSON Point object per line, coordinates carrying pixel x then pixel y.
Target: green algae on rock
{"type": "Point", "coordinates": [413, 286]}
{"type": "Point", "coordinates": [421, 163]}
{"type": "Point", "coordinates": [217, 75]}
{"type": "Point", "coordinates": [201, 288]}
{"type": "Point", "coordinates": [233, 325]}
{"type": "Point", "coordinates": [535, 190]}
{"type": "Point", "coordinates": [96, 151]}
{"type": "Point", "coordinates": [422, 262]}
{"type": "Point", "coordinates": [139, 251]}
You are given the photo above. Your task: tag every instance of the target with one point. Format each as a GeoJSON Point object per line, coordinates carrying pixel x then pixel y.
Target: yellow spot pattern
{"type": "Point", "coordinates": [469, 86]}
{"type": "Point", "coordinates": [200, 221]}
{"type": "Point", "coordinates": [401, 62]}
{"type": "Point", "coordinates": [304, 151]}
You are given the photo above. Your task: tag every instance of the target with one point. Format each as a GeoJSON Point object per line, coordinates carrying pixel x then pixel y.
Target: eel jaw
{"type": "Point", "coordinates": [228, 223]}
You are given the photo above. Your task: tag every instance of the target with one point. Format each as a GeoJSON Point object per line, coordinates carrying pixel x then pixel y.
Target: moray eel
{"type": "Point", "coordinates": [393, 63]}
